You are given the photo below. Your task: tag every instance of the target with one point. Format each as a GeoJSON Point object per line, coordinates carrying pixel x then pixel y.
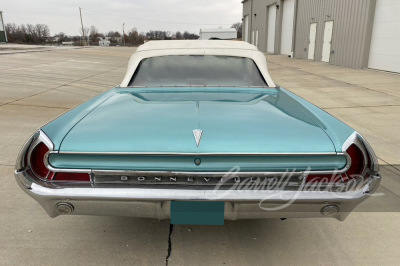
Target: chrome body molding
{"type": "Point", "coordinates": [199, 153]}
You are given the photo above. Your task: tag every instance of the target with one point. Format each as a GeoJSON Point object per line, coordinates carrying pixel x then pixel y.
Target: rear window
{"type": "Point", "coordinates": [197, 70]}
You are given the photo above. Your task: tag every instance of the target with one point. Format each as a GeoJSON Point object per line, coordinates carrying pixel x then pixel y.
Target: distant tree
{"type": "Point", "coordinates": [61, 37]}
{"type": "Point", "coordinates": [190, 36]}
{"type": "Point", "coordinates": [156, 35]}
{"type": "Point", "coordinates": [33, 34]}
{"type": "Point", "coordinates": [238, 27]}
{"type": "Point", "coordinates": [113, 34]}
{"type": "Point", "coordinates": [134, 38]}
{"type": "Point", "coordinates": [42, 32]}
{"type": "Point", "coordinates": [178, 35]}
{"type": "Point", "coordinates": [14, 33]}
{"type": "Point", "coordinates": [94, 34]}
{"type": "Point", "coordinates": [29, 33]}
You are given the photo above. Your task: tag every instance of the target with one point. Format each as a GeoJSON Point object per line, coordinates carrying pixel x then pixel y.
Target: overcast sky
{"type": "Point", "coordinates": [145, 15]}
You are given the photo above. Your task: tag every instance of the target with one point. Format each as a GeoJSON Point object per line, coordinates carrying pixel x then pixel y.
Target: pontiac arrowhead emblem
{"type": "Point", "coordinates": [197, 133]}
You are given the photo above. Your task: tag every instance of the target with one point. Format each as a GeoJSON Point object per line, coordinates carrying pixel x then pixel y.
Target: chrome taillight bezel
{"type": "Point", "coordinates": [24, 160]}
{"type": "Point", "coordinates": [368, 153]}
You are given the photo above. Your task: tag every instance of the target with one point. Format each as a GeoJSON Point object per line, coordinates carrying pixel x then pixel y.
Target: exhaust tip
{"type": "Point", "coordinates": [65, 208]}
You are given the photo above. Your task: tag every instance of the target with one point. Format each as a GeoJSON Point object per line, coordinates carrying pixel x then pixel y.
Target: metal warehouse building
{"type": "Point", "coordinates": [352, 33]}
{"type": "Point", "coordinates": [223, 34]}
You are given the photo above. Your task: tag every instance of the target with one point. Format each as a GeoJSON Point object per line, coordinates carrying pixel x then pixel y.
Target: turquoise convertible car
{"type": "Point", "coordinates": [197, 132]}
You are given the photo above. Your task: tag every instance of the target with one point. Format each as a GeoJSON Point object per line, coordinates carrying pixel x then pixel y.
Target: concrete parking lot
{"type": "Point", "coordinates": [36, 87]}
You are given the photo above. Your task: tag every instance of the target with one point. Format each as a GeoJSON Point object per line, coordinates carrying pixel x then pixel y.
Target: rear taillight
{"type": "Point", "coordinates": [41, 171]}
{"type": "Point", "coordinates": [37, 160]}
{"type": "Point", "coordinates": [357, 162]}
{"type": "Point", "coordinates": [356, 169]}
{"type": "Point", "coordinates": [71, 177]}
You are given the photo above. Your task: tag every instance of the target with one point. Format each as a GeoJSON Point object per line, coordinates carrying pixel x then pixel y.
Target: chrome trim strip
{"type": "Point", "coordinates": [215, 174]}
{"type": "Point", "coordinates": [198, 154]}
{"type": "Point", "coordinates": [194, 174]}
{"type": "Point", "coordinates": [127, 172]}
{"type": "Point", "coordinates": [46, 140]}
{"type": "Point", "coordinates": [350, 140]}
{"type": "Point", "coordinates": [21, 162]}
{"type": "Point", "coordinates": [64, 170]}
{"type": "Point", "coordinates": [371, 153]}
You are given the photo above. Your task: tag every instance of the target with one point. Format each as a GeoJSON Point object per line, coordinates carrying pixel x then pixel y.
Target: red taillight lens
{"type": "Point", "coordinates": [71, 177]}
{"type": "Point", "coordinates": [37, 160]}
{"type": "Point", "coordinates": [357, 162]}
{"type": "Point", "coordinates": [40, 170]}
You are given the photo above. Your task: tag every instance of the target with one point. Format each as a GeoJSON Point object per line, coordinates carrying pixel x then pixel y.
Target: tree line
{"type": "Point", "coordinates": [133, 37]}
{"type": "Point", "coordinates": [40, 34]}
{"type": "Point", "coordinates": [32, 34]}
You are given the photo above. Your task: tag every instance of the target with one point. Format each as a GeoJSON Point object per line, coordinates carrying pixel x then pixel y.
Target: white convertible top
{"type": "Point", "coordinates": [195, 44]}
{"type": "Point", "coordinates": [197, 47]}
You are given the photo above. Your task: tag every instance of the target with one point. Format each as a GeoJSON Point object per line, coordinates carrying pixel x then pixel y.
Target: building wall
{"type": "Point", "coordinates": [385, 42]}
{"type": "Point", "coordinates": [351, 29]}
{"type": "Point", "coordinates": [246, 12]}
{"type": "Point", "coordinates": [220, 35]}
{"type": "Point", "coordinates": [258, 16]}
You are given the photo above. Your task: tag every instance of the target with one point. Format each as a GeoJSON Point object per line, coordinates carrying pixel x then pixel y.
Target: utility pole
{"type": "Point", "coordinates": [3, 33]}
{"type": "Point", "coordinates": [123, 33]}
{"type": "Point", "coordinates": [83, 30]}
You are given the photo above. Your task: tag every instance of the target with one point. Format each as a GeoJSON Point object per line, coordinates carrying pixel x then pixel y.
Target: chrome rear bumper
{"type": "Point", "coordinates": [155, 203]}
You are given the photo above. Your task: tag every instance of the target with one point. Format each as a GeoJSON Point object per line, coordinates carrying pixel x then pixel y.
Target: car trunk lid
{"type": "Point", "coordinates": [232, 120]}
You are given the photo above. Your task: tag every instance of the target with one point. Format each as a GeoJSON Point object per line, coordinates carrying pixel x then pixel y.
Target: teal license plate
{"type": "Point", "coordinates": [197, 212]}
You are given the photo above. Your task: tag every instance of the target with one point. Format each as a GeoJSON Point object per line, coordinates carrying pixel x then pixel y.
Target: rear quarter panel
{"type": "Point", "coordinates": [58, 128]}
{"type": "Point", "coordinates": [337, 131]}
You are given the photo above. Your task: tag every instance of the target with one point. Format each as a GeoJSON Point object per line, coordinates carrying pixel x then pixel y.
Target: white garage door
{"type": "Point", "coordinates": [385, 42]}
{"type": "Point", "coordinates": [287, 27]}
{"type": "Point", "coordinates": [271, 29]}
{"type": "Point", "coordinates": [246, 29]}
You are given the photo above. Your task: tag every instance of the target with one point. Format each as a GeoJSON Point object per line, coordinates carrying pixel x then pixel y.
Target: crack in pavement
{"type": "Point", "coordinates": [389, 164]}
{"type": "Point", "coordinates": [40, 106]}
{"type": "Point", "coordinates": [6, 164]}
{"type": "Point", "coordinates": [63, 85]}
{"type": "Point", "coordinates": [35, 51]}
{"type": "Point", "coordinates": [362, 106]}
{"type": "Point", "coordinates": [171, 229]}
